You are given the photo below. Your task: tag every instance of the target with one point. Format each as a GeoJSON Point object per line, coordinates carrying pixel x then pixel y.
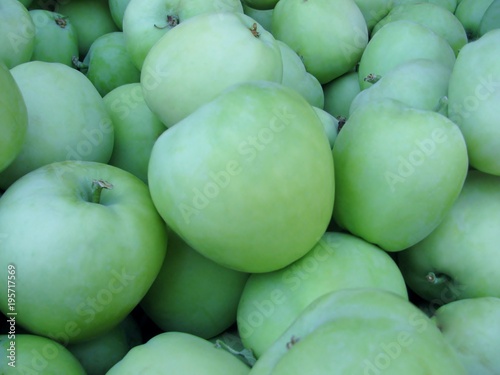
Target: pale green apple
{"type": "Point", "coordinates": [340, 93]}
{"type": "Point", "coordinates": [473, 97]}
{"type": "Point", "coordinates": [263, 16]}
{"type": "Point", "coordinates": [117, 9]}
{"type": "Point", "coordinates": [398, 42]}
{"type": "Point", "coordinates": [398, 171]}
{"type": "Point", "coordinates": [248, 178]}
{"type": "Point", "coordinates": [330, 36]}
{"type": "Point", "coordinates": [296, 77]}
{"type": "Point", "coordinates": [361, 331]}
{"type": "Point", "coordinates": [437, 18]}
{"type": "Point", "coordinates": [178, 353]}
{"type": "Point", "coordinates": [470, 13]}
{"type": "Point", "coordinates": [224, 49]}
{"type": "Point", "coordinates": [419, 83]}
{"type": "Point", "coordinates": [136, 129]}
{"type": "Point", "coordinates": [272, 301]}
{"type": "Point", "coordinates": [374, 10]}
{"type": "Point", "coordinates": [460, 258]}
{"type": "Point", "coordinates": [330, 124]}
{"type": "Point", "coordinates": [144, 23]}
{"type": "Point", "coordinates": [193, 294]}
{"type": "Point", "coordinates": [471, 327]}
{"type": "Point", "coordinates": [449, 5]}
{"type": "Point", "coordinates": [261, 4]}
{"type": "Point", "coordinates": [490, 19]}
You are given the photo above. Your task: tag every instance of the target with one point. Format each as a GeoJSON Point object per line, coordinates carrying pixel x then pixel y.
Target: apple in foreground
{"type": "Point", "coordinates": [86, 242]}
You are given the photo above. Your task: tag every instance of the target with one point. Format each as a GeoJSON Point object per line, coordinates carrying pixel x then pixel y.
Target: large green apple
{"type": "Point", "coordinates": [67, 119]}
{"type": "Point", "coordinates": [419, 83]}
{"type": "Point", "coordinates": [144, 23]}
{"type": "Point", "coordinates": [340, 93]}
{"type": "Point", "coordinates": [55, 37]}
{"type": "Point", "coordinates": [17, 33]}
{"type": "Point", "coordinates": [136, 129]}
{"type": "Point", "coordinates": [471, 327]}
{"type": "Point", "coordinates": [437, 18]}
{"type": "Point", "coordinates": [248, 178]}
{"type": "Point", "coordinates": [32, 354]}
{"type": "Point", "coordinates": [224, 49]}
{"type": "Point", "coordinates": [86, 242]}
{"type": "Point", "coordinates": [460, 258]}
{"type": "Point", "coordinates": [398, 42]}
{"type": "Point", "coordinates": [473, 98]}
{"type": "Point", "coordinates": [13, 118]}
{"type": "Point", "coordinates": [470, 13]}
{"type": "Point", "coordinates": [178, 353]}
{"type": "Point", "coordinates": [177, 300]}
{"type": "Point", "coordinates": [398, 171]}
{"type": "Point", "coordinates": [330, 36]}
{"type": "Point", "coordinates": [360, 331]}
{"type": "Point", "coordinates": [271, 301]}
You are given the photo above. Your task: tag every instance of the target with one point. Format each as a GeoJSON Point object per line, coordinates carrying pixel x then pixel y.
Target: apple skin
{"type": "Point", "coordinates": [276, 155]}
{"type": "Point", "coordinates": [471, 327]}
{"type": "Point", "coordinates": [177, 300]}
{"type": "Point", "coordinates": [271, 301]}
{"type": "Point", "coordinates": [263, 17]}
{"type": "Point", "coordinates": [398, 42]}
{"type": "Point", "coordinates": [360, 331]}
{"type": "Point", "coordinates": [178, 353]}
{"type": "Point", "coordinates": [330, 36]}
{"type": "Point", "coordinates": [17, 34]}
{"type": "Point", "coordinates": [340, 93]}
{"type": "Point", "coordinates": [398, 171]}
{"type": "Point", "coordinates": [67, 119]}
{"type": "Point", "coordinates": [223, 51]}
{"type": "Point", "coordinates": [449, 5]}
{"type": "Point", "coordinates": [490, 19]}
{"type": "Point", "coordinates": [144, 23]}
{"type": "Point", "coordinates": [445, 265]}
{"type": "Point", "coordinates": [473, 97]}
{"type": "Point", "coordinates": [136, 129]}
{"type": "Point", "coordinates": [13, 118]}
{"type": "Point", "coordinates": [117, 9]}
{"type": "Point", "coordinates": [374, 10]}
{"type": "Point", "coordinates": [81, 284]}
{"type": "Point", "coordinates": [38, 355]}
{"type": "Point", "coordinates": [470, 13]}
{"type": "Point", "coordinates": [330, 124]}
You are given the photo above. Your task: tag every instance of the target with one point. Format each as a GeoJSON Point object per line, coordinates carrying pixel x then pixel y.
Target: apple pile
{"type": "Point", "coordinates": [250, 187]}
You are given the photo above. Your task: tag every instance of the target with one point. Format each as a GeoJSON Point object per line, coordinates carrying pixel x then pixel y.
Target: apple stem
{"type": "Point", "coordinates": [432, 278]}
{"type": "Point", "coordinates": [372, 78]}
{"type": "Point", "coordinates": [172, 21]}
{"type": "Point", "coordinates": [342, 120]}
{"type": "Point", "coordinates": [254, 31]}
{"type": "Point", "coordinates": [79, 65]}
{"type": "Point", "coordinates": [97, 186]}
{"type": "Point", "coordinates": [61, 21]}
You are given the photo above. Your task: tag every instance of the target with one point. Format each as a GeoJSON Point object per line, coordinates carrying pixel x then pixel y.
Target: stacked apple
{"type": "Point", "coordinates": [250, 187]}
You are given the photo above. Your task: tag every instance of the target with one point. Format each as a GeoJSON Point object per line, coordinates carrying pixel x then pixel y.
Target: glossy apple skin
{"type": "Point", "coordinates": [473, 97]}
{"type": "Point", "coordinates": [178, 353]}
{"type": "Point", "coordinates": [360, 331]}
{"type": "Point", "coordinates": [271, 301]}
{"type": "Point", "coordinates": [465, 242]}
{"type": "Point", "coordinates": [215, 175]}
{"type": "Point", "coordinates": [471, 327]}
{"type": "Point", "coordinates": [81, 266]}
{"type": "Point", "coordinates": [398, 171]}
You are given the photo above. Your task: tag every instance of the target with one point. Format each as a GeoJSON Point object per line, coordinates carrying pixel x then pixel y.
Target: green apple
{"type": "Point", "coordinates": [224, 49]}
{"type": "Point", "coordinates": [90, 18]}
{"type": "Point", "coordinates": [473, 97]}
{"type": "Point", "coordinates": [55, 37]}
{"type": "Point", "coordinates": [67, 119]}
{"type": "Point", "coordinates": [460, 258]}
{"type": "Point", "coordinates": [490, 19]}
{"type": "Point", "coordinates": [13, 118]}
{"type": "Point", "coordinates": [271, 301]}
{"type": "Point", "coordinates": [329, 36]}
{"type": "Point", "coordinates": [32, 354]}
{"type": "Point", "coordinates": [177, 300]}
{"type": "Point", "coordinates": [470, 13]}
{"type": "Point", "coordinates": [144, 23]}
{"type": "Point", "coordinates": [296, 77]}
{"type": "Point", "coordinates": [261, 4]}
{"type": "Point", "coordinates": [360, 331]}
{"type": "Point", "coordinates": [264, 17]}
{"type": "Point", "coordinates": [449, 5]}
{"type": "Point", "coordinates": [108, 65]}
{"type": "Point", "coordinates": [374, 10]}
{"type": "Point", "coordinates": [340, 93]}
{"type": "Point", "coordinates": [471, 327]}
{"type": "Point", "coordinates": [437, 18]}
{"type": "Point", "coordinates": [178, 353]}
{"type": "Point", "coordinates": [398, 171]}
{"type": "Point", "coordinates": [330, 124]}
{"type": "Point", "coordinates": [250, 189]}
{"type": "Point", "coordinates": [17, 33]}
{"type": "Point", "coordinates": [136, 129]}
{"type": "Point", "coordinates": [418, 83]}
{"type": "Point", "coordinates": [117, 9]}
{"type": "Point", "coordinates": [398, 42]}
{"type": "Point", "coordinates": [86, 242]}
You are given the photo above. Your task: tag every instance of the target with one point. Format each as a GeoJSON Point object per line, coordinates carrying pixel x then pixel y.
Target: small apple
{"type": "Point", "coordinates": [340, 93]}
{"type": "Point", "coordinates": [330, 124]}
{"type": "Point", "coordinates": [470, 13]}
{"type": "Point", "coordinates": [490, 19]}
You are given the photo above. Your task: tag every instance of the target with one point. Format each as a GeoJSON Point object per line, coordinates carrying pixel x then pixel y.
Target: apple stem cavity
{"type": "Point", "coordinates": [372, 78]}
{"type": "Point", "coordinates": [61, 22]}
{"type": "Point", "coordinates": [172, 21]}
{"type": "Point", "coordinates": [441, 278]}
{"type": "Point", "coordinates": [97, 186]}
{"type": "Point", "coordinates": [342, 120]}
